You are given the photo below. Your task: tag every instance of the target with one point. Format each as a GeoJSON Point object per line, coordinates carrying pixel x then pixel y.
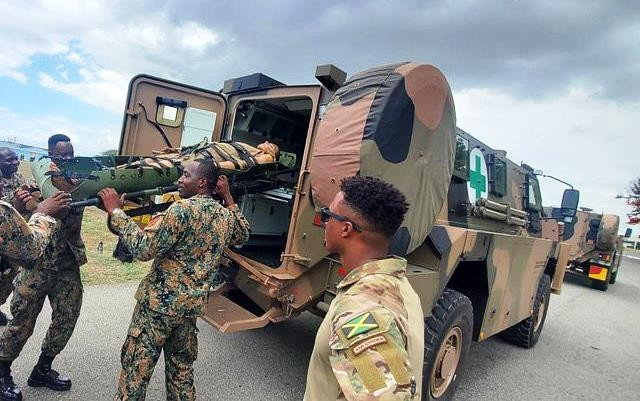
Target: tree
{"type": "Point", "coordinates": [110, 152]}
{"type": "Point", "coordinates": [633, 200]}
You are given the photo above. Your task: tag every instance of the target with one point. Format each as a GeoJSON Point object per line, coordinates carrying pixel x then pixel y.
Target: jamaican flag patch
{"type": "Point", "coordinates": [359, 325]}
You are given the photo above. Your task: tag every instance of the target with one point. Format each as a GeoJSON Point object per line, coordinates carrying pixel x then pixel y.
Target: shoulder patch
{"type": "Point", "coordinates": [359, 325]}
{"type": "Point", "coordinates": [369, 343]}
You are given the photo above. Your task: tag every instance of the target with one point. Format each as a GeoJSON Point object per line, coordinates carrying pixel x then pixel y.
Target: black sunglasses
{"type": "Point", "coordinates": [326, 214]}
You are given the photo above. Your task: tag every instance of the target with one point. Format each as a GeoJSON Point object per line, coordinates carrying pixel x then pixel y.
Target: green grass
{"type": "Point", "coordinates": [101, 268]}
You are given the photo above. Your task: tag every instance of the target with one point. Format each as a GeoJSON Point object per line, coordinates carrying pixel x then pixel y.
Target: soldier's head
{"type": "Point", "coordinates": [365, 213]}
{"type": "Point", "coordinates": [9, 162]}
{"type": "Point", "coordinates": [198, 177]}
{"type": "Point", "coordinates": [60, 147]}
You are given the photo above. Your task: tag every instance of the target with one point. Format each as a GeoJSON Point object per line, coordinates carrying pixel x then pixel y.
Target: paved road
{"type": "Point", "coordinates": [589, 350]}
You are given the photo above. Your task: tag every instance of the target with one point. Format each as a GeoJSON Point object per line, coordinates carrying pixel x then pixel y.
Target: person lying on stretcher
{"type": "Point", "coordinates": [227, 156]}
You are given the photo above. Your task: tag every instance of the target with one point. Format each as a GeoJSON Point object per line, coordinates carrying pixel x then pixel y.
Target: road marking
{"type": "Point", "coordinates": [632, 257]}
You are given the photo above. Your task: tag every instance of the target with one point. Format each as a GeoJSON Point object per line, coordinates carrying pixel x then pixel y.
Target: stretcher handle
{"type": "Point", "coordinates": [127, 195]}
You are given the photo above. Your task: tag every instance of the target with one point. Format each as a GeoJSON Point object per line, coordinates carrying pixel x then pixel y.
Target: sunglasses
{"type": "Point", "coordinates": [326, 215]}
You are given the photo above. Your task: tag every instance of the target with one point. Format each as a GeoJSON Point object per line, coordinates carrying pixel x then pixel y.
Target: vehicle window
{"type": "Point", "coordinates": [498, 178]}
{"type": "Point", "coordinates": [169, 115]}
{"type": "Point", "coordinates": [198, 125]}
{"type": "Point", "coordinates": [461, 164]}
{"type": "Point", "coordinates": [534, 196]}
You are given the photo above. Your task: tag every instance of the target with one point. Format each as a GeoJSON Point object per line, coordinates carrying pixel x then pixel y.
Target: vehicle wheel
{"type": "Point", "coordinates": [613, 278]}
{"type": "Point", "coordinates": [527, 332]}
{"type": "Point", "coordinates": [600, 285]}
{"type": "Point", "coordinates": [447, 337]}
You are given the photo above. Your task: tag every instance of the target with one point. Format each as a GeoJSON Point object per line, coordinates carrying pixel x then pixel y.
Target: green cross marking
{"type": "Point", "coordinates": [477, 180]}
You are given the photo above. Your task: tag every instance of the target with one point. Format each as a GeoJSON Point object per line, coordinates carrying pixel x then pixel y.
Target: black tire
{"type": "Point", "coordinates": [600, 285]}
{"type": "Point", "coordinates": [451, 319]}
{"type": "Point", "coordinates": [613, 278]}
{"type": "Point", "coordinates": [526, 333]}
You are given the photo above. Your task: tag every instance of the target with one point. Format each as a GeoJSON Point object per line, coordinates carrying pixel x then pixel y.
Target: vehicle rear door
{"type": "Point", "coordinates": [160, 113]}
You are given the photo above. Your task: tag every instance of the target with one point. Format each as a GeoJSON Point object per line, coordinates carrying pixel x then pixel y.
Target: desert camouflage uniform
{"type": "Point", "coordinates": [9, 271]}
{"type": "Point", "coordinates": [57, 276]}
{"type": "Point", "coordinates": [186, 242]}
{"type": "Point", "coordinates": [370, 343]}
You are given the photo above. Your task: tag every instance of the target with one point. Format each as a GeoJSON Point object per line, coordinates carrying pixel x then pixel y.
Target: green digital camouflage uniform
{"type": "Point", "coordinates": [186, 242]}
{"type": "Point", "coordinates": [22, 240]}
{"type": "Point", "coordinates": [370, 344]}
{"type": "Point", "coordinates": [8, 271]}
{"type": "Point", "coordinates": [57, 276]}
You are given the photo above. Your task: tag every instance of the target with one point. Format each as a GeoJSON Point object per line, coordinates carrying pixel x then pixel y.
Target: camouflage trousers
{"type": "Point", "coordinates": [151, 333]}
{"type": "Point", "coordinates": [64, 290]}
{"type": "Point", "coordinates": [6, 281]}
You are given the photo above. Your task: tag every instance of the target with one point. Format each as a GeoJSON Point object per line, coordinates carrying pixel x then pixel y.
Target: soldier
{"type": "Point", "coordinates": [370, 343]}
{"type": "Point", "coordinates": [55, 276]}
{"type": "Point", "coordinates": [22, 240]}
{"type": "Point", "coordinates": [186, 243]}
{"type": "Point", "coordinates": [10, 183]}
{"type": "Point", "coordinates": [11, 180]}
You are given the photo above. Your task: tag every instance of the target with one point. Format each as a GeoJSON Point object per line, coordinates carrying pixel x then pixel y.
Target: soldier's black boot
{"type": "Point", "coordinates": [43, 376]}
{"type": "Point", "coordinates": [8, 389]}
{"type": "Point", "coordinates": [3, 319]}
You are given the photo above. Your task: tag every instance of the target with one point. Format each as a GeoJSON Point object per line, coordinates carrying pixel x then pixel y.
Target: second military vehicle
{"type": "Point", "coordinates": [595, 248]}
{"type": "Point", "coordinates": [472, 236]}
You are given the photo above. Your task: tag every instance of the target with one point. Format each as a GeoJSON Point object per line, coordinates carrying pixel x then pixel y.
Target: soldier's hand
{"type": "Point", "coordinates": [111, 200]}
{"type": "Point", "coordinates": [22, 197]}
{"type": "Point", "coordinates": [223, 190]}
{"type": "Point", "coordinates": [57, 205]}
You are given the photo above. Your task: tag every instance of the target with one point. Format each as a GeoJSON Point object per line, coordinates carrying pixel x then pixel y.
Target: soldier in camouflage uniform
{"type": "Point", "coordinates": [55, 276]}
{"type": "Point", "coordinates": [186, 243]}
{"type": "Point", "coordinates": [10, 182]}
{"type": "Point", "coordinates": [26, 241]}
{"type": "Point", "coordinates": [370, 343]}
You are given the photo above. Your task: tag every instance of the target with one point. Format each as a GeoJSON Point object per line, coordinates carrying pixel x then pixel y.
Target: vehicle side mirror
{"type": "Point", "coordinates": [627, 233]}
{"type": "Point", "coordinates": [569, 206]}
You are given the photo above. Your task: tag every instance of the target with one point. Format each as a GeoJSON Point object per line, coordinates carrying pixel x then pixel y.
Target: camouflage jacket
{"type": "Point", "coordinates": [22, 240]}
{"type": "Point", "coordinates": [186, 241]}
{"type": "Point", "coordinates": [370, 343]}
{"type": "Point", "coordinates": [66, 242]}
{"type": "Point", "coordinates": [9, 186]}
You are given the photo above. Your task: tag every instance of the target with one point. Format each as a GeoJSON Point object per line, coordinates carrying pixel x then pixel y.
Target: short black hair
{"type": "Point", "coordinates": [381, 204]}
{"type": "Point", "coordinates": [54, 139]}
{"type": "Point", "coordinates": [207, 169]}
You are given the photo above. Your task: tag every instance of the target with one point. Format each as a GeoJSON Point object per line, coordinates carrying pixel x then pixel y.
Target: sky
{"type": "Point", "coordinates": [554, 83]}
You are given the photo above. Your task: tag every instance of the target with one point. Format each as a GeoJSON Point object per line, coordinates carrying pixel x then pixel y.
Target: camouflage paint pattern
{"type": "Point", "coordinates": [370, 343]}
{"type": "Point", "coordinates": [186, 243]}
{"type": "Point", "coordinates": [397, 123]}
{"type": "Point", "coordinates": [63, 287]}
{"type": "Point", "coordinates": [151, 333]}
{"type": "Point", "coordinates": [589, 233]}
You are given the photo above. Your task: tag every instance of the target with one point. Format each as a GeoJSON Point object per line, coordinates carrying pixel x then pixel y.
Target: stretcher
{"type": "Point", "coordinates": [250, 169]}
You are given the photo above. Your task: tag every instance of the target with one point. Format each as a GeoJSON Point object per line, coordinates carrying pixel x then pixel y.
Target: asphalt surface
{"type": "Point", "coordinates": [589, 350]}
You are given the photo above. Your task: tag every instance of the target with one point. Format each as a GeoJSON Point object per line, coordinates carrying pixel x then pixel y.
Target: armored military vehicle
{"type": "Point", "coordinates": [595, 248]}
{"type": "Point", "coordinates": [472, 236]}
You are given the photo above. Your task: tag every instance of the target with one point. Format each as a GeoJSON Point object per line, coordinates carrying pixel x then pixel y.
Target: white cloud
{"type": "Point", "coordinates": [36, 129]}
{"type": "Point", "coordinates": [106, 44]}
{"type": "Point", "coordinates": [588, 142]}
